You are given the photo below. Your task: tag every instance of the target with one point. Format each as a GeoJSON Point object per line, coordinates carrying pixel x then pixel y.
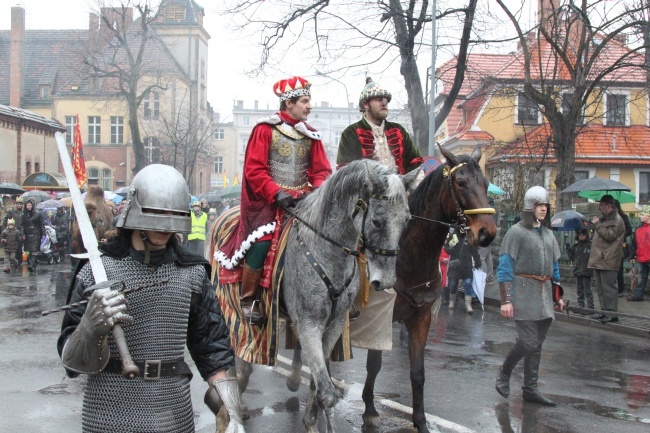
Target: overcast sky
{"type": "Point", "coordinates": [230, 55]}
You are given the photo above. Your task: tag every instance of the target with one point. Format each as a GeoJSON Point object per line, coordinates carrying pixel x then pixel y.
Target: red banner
{"type": "Point", "coordinates": [78, 162]}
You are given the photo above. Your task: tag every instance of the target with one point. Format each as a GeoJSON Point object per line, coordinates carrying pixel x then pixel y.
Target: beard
{"type": "Point", "coordinates": [377, 114]}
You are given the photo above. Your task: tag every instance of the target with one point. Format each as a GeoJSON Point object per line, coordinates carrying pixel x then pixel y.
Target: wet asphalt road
{"type": "Point", "coordinates": [601, 380]}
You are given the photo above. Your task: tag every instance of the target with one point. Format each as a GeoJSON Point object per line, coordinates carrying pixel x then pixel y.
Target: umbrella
{"type": "Point", "coordinates": [62, 194]}
{"type": "Point", "coordinates": [621, 196]}
{"type": "Point", "coordinates": [117, 199]}
{"type": "Point", "coordinates": [10, 188]}
{"type": "Point", "coordinates": [51, 204]}
{"type": "Point", "coordinates": [36, 195]}
{"type": "Point", "coordinates": [108, 195]}
{"type": "Point", "coordinates": [66, 202]}
{"type": "Point", "coordinates": [569, 220]}
{"type": "Point", "coordinates": [123, 191]}
{"type": "Point", "coordinates": [231, 191]}
{"type": "Point", "coordinates": [211, 197]}
{"type": "Point", "coordinates": [596, 184]}
{"type": "Point", "coordinates": [493, 189]}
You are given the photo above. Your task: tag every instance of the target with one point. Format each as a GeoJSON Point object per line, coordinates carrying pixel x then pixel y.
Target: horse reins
{"type": "Point", "coordinates": [361, 206]}
{"type": "Point", "coordinates": [447, 173]}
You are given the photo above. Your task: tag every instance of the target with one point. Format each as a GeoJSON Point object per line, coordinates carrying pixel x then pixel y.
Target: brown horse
{"type": "Point", "coordinates": [453, 195]}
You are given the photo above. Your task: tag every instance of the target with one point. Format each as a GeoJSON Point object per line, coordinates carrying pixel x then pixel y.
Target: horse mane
{"type": "Point", "coordinates": [418, 198]}
{"type": "Point", "coordinates": [350, 181]}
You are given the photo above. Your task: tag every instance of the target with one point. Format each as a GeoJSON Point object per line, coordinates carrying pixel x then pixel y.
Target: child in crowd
{"type": "Point", "coordinates": [10, 240]}
{"type": "Point", "coordinates": [579, 255]}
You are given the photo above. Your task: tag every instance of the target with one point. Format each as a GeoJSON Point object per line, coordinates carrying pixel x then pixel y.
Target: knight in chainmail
{"type": "Point", "coordinates": [176, 307]}
{"type": "Point", "coordinates": [528, 266]}
{"type": "Point", "coordinates": [389, 143]}
{"type": "Point", "coordinates": [284, 160]}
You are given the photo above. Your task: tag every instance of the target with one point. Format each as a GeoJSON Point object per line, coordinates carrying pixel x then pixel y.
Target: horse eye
{"type": "Point", "coordinates": [377, 223]}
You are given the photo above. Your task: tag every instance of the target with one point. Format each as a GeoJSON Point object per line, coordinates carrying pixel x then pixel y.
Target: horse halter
{"type": "Point", "coordinates": [447, 173]}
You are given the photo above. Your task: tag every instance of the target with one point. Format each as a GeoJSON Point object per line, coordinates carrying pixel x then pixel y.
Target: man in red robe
{"type": "Point", "coordinates": [284, 159]}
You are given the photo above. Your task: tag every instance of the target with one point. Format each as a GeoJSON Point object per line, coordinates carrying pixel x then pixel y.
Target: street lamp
{"type": "Point", "coordinates": [347, 96]}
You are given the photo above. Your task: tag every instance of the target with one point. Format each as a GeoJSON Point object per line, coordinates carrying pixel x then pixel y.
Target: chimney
{"type": "Point", "coordinates": [614, 142]}
{"type": "Point", "coordinates": [93, 31]}
{"type": "Point", "coordinates": [255, 103]}
{"type": "Point", "coordinates": [16, 56]}
{"type": "Point", "coordinates": [325, 104]}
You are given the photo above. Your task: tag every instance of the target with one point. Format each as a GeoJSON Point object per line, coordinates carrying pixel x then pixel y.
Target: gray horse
{"type": "Point", "coordinates": [362, 207]}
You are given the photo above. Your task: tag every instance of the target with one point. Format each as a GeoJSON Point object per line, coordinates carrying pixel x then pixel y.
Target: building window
{"type": "Point", "coordinates": [615, 174]}
{"type": "Point", "coordinates": [45, 92]}
{"type": "Point", "coordinates": [37, 167]}
{"type": "Point", "coordinates": [93, 176]}
{"type": "Point", "coordinates": [94, 129]}
{"type": "Point", "coordinates": [218, 164]}
{"type": "Point", "coordinates": [243, 140]}
{"type": "Point", "coordinates": [151, 106]}
{"type": "Point", "coordinates": [246, 121]}
{"type": "Point", "coordinates": [337, 138]}
{"type": "Point", "coordinates": [644, 187]}
{"type": "Point", "coordinates": [117, 130]}
{"type": "Point", "coordinates": [616, 109]}
{"type": "Point", "coordinates": [28, 168]}
{"type": "Point", "coordinates": [219, 134]}
{"type": "Point", "coordinates": [581, 175]}
{"type": "Point", "coordinates": [106, 179]}
{"type": "Point", "coordinates": [527, 111]}
{"type": "Point", "coordinates": [152, 149]}
{"type": "Point", "coordinates": [70, 123]}
{"type": "Point", "coordinates": [174, 14]}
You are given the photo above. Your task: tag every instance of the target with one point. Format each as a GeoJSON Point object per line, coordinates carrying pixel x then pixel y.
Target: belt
{"type": "Point", "coordinates": [541, 278]}
{"type": "Point", "coordinates": [153, 369]}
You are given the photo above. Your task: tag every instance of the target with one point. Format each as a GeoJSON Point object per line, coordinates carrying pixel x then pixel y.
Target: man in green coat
{"type": "Point", "coordinates": [374, 137]}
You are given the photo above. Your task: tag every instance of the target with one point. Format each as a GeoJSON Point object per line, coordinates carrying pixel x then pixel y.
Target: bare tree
{"type": "Point", "coordinates": [577, 51]}
{"type": "Point", "coordinates": [124, 56]}
{"type": "Point", "coordinates": [360, 35]}
{"type": "Point", "coordinates": [185, 139]}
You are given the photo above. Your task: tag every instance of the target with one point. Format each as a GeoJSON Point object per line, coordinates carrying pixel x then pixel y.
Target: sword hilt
{"type": "Point", "coordinates": [129, 369]}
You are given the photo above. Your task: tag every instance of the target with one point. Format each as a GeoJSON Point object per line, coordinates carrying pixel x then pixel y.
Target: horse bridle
{"type": "Point", "coordinates": [361, 206]}
{"type": "Point", "coordinates": [447, 173]}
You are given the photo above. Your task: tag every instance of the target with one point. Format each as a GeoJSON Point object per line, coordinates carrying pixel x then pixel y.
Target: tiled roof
{"type": "Point", "coordinates": [479, 68]}
{"type": "Point", "coordinates": [50, 57]}
{"type": "Point", "coordinates": [594, 145]}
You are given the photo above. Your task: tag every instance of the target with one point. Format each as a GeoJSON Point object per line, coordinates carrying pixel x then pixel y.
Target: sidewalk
{"type": "Point", "coordinates": [625, 325]}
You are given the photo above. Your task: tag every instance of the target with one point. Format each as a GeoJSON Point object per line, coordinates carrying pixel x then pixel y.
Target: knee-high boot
{"type": "Point", "coordinates": [250, 303]}
{"type": "Point", "coordinates": [503, 378]}
{"type": "Point", "coordinates": [531, 374]}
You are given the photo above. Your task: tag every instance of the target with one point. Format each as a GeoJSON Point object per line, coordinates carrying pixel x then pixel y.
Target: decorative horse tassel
{"type": "Point", "coordinates": [364, 283]}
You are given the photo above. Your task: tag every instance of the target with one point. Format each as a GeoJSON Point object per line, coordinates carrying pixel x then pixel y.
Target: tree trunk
{"type": "Point", "coordinates": [565, 153]}
{"type": "Point", "coordinates": [138, 148]}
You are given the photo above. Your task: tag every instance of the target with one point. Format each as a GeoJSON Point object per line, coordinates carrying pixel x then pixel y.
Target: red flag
{"type": "Point", "coordinates": [78, 162]}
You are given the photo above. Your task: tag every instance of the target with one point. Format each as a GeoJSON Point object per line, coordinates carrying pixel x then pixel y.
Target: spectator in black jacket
{"type": "Point", "coordinates": [620, 280]}
{"type": "Point", "coordinates": [32, 229]}
{"type": "Point", "coordinates": [459, 270]}
{"type": "Point", "coordinates": [579, 255]}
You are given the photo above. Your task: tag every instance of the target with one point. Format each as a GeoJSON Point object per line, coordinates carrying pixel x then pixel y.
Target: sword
{"type": "Point", "coordinates": [129, 369]}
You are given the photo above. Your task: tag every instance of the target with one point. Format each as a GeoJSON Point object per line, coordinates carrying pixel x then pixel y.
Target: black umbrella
{"type": "Point", "coordinates": [569, 220]}
{"type": "Point", "coordinates": [10, 188]}
{"type": "Point", "coordinates": [596, 184]}
{"type": "Point", "coordinates": [211, 197]}
{"type": "Point", "coordinates": [36, 195]}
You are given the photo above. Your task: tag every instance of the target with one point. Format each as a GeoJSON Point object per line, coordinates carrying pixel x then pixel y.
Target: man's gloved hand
{"type": "Point", "coordinates": [284, 200]}
{"type": "Point", "coordinates": [86, 351]}
{"type": "Point", "coordinates": [453, 241]}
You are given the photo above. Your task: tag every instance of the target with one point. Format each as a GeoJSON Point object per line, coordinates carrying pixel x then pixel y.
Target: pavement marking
{"type": "Point", "coordinates": [449, 425]}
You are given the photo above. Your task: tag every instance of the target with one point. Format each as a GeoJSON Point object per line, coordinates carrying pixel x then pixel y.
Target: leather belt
{"type": "Point", "coordinates": [153, 369]}
{"type": "Point", "coordinates": [541, 278]}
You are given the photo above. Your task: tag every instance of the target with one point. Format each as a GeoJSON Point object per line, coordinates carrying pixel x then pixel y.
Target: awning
{"type": "Point", "coordinates": [46, 181]}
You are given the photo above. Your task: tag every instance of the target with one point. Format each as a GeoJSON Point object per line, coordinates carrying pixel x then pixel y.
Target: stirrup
{"type": "Point", "coordinates": [249, 319]}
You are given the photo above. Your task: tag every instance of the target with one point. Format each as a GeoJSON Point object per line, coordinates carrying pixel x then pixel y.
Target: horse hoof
{"type": "Point", "coordinates": [371, 420]}
{"type": "Point", "coordinates": [293, 382]}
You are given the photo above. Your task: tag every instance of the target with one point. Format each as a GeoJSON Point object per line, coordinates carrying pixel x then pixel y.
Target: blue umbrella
{"type": "Point", "coordinates": [569, 220]}
{"type": "Point", "coordinates": [493, 189]}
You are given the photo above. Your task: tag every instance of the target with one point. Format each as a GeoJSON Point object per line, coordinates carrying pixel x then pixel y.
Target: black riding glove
{"type": "Point", "coordinates": [284, 200]}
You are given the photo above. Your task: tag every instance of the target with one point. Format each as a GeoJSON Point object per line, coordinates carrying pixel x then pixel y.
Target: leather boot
{"type": "Point", "coordinates": [468, 305]}
{"type": "Point", "coordinates": [531, 374]}
{"type": "Point", "coordinates": [503, 378]}
{"type": "Point", "coordinates": [250, 304]}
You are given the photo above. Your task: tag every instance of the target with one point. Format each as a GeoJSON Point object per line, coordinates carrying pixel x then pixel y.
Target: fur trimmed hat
{"type": "Point", "coordinates": [11, 222]}
{"type": "Point", "coordinates": [372, 90]}
{"type": "Point", "coordinates": [645, 210]}
{"type": "Point", "coordinates": [291, 87]}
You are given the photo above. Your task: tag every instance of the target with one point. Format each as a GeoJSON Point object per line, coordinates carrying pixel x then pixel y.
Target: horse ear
{"type": "Point", "coordinates": [413, 178]}
{"type": "Point", "coordinates": [450, 157]}
{"type": "Point", "coordinates": [476, 154]}
{"type": "Point", "coordinates": [371, 177]}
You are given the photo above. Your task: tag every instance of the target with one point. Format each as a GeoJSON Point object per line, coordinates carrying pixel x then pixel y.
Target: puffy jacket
{"type": "Point", "coordinates": [579, 255]}
{"type": "Point", "coordinates": [607, 244]}
{"type": "Point", "coordinates": [33, 230]}
{"type": "Point", "coordinates": [12, 238]}
{"type": "Point", "coordinates": [641, 243]}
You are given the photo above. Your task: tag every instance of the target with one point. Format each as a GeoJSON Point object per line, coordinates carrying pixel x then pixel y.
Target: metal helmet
{"type": "Point", "coordinates": [535, 195]}
{"type": "Point", "coordinates": [372, 90]}
{"type": "Point", "coordinates": [155, 191]}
